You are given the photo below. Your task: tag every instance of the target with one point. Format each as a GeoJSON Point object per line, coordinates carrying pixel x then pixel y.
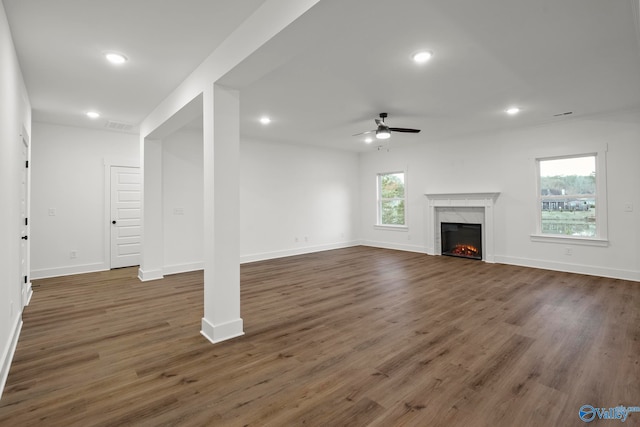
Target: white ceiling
{"type": "Point", "coordinates": [60, 47]}
{"type": "Point", "coordinates": [329, 74]}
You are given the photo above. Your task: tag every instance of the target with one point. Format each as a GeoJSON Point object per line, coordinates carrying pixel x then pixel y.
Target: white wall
{"type": "Point", "coordinates": [68, 176]}
{"type": "Point", "coordinates": [505, 162]}
{"type": "Point", "coordinates": [295, 199]}
{"type": "Point", "coordinates": [183, 208]}
{"type": "Point", "coordinates": [15, 115]}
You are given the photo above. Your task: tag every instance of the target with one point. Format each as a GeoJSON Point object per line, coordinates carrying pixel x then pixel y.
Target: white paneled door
{"type": "Point", "coordinates": [125, 216]}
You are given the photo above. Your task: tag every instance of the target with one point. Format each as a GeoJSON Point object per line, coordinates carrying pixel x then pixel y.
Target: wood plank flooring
{"type": "Point", "coordinates": [351, 337]}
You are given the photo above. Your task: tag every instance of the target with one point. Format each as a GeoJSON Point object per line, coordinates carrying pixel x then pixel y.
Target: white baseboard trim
{"type": "Point", "coordinates": [29, 294]}
{"type": "Point", "coordinates": [222, 332]}
{"type": "Point", "coordinates": [45, 273]}
{"type": "Point", "coordinates": [394, 246]}
{"type": "Point", "coordinates": [589, 270]}
{"type": "Point", "coordinates": [147, 275]}
{"type": "Point", "coordinates": [297, 251]}
{"type": "Point", "coordinates": [8, 352]}
{"type": "Point", "coordinates": [182, 268]}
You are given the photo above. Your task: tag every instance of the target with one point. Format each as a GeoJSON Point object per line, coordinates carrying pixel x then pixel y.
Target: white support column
{"type": "Point", "coordinates": [221, 134]}
{"type": "Point", "coordinates": [151, 258]}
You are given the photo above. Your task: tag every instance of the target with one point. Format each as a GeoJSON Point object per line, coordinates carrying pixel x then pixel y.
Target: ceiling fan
{"type": "Point", "coordinates": [383, 131]}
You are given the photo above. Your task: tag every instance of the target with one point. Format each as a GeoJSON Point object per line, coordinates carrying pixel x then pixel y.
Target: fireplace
{"type": "Point", "coordinates": [461, 239]}
{"type": "Point", "coordinates": [468, 208]}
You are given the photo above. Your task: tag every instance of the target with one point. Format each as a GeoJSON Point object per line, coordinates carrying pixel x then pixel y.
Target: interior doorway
{"type": "Point", "coordinates": [125, 209]}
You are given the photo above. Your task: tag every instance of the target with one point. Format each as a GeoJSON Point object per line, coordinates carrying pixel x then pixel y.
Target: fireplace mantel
{"type": "Point", "coordinates": [462, 199]}
{"type": "Point", "coordinates": [438, 202]}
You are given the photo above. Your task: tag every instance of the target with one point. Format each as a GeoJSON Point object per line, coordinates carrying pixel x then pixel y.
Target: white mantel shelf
{"type": "Point", "coordinates": [454, 199]}
{"type": "Point", "coordinates": [436, 202]}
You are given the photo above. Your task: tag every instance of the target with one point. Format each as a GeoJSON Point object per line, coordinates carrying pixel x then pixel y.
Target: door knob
{"type": "Point", "coordinates": [25, 237]}
{"type": "Point", "coordinates": [113, 222]}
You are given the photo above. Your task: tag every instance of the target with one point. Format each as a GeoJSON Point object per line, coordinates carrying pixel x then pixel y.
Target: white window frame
{"type": "Point", "coordinates": [379, 200]}
{"type": "Point", "coordinates": [601, 237]}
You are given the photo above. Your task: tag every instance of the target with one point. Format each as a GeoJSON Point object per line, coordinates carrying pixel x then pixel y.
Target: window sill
{"type": "Point", "coordinates": [391, 227]}
{"type": "Point", "coordinates": [584, 241]}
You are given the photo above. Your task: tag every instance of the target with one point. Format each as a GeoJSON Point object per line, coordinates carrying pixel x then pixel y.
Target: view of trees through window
{"type": "Point", "coordinates": [391, 198]}
{"type": "Point", "coordinates": [568, 196]}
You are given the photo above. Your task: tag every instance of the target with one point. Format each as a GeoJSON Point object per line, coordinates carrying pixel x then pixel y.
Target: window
{"type": "Point", "coordinates": [391, 199]}
{"type": "Point", "coordinates": [570, 190]}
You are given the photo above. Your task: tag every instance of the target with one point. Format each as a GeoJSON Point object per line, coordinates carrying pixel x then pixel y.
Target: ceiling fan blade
{"type": "Point", "coordinates": [406, 130]}
{"type": "Point", "coordinates": [364, 133]}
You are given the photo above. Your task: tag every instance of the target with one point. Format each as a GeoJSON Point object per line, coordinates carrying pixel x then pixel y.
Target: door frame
{"type": "Point", "coordinates": [106, 219]}
{"type": "Point", "coordinates": [26, 290]}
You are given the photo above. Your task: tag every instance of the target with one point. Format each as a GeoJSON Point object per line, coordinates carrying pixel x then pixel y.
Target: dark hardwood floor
{"type": "Point", "coordinates": [350, 337]}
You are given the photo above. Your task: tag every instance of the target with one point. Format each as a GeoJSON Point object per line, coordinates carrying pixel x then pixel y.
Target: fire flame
{"type": "Point", "coordinates": [465, 250]}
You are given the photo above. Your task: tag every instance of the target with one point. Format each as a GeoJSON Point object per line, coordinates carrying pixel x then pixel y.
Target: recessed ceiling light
{"type": "Point", "coordinates": [368, 140]}
{"type": "Point", "coordinates": [512, 111]}
{"type": "Point", "coordinates": [422, 56]}
{"type": "Point", "coordinates": [115, 58]}
{"type": "Point", "coordinates": [265, 120]}
{"type": "Point", "coordinates": [93, 115]}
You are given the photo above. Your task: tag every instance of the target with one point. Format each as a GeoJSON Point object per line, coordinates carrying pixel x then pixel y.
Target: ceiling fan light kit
{"type": "Point", "coordinates": [383, 133]}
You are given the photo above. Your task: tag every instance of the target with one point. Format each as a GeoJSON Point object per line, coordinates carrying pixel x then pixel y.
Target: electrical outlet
{"type": "Point", "coordinates": [178, 211]}
{"type": "Point", "coordinates": [52, 211]}
{"type": "Point", "coordinates": [568, 251]}
{"type": "Point", "coordinates": [628, 207]}
{"type": "Point", "coordinates": [306, 239]}
{"type": "Point", "coordinates": [73, 254]}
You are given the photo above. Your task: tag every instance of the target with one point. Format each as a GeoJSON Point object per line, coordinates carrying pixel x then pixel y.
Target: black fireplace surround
{"type": "Point", "coordinates": [461, 240]}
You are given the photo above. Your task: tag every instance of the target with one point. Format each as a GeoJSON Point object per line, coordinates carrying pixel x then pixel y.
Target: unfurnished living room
{"type": "Point", "coordinates": [319, 212]}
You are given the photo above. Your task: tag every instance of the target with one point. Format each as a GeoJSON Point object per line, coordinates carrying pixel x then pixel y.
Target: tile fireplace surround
{"type": "Point", "coordinates": [471, 208]}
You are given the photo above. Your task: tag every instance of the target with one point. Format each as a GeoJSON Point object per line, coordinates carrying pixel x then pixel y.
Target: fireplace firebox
{"type": "Point", "coordinates": [461, 240]}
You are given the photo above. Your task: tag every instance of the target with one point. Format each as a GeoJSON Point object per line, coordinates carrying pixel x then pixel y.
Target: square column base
{"type": "Point", "coordinates": [222, 332]}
